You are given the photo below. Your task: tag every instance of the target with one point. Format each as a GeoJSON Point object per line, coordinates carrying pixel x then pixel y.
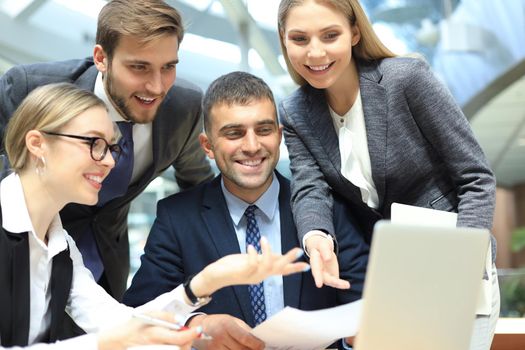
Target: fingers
{"type": "Point", "coordinates": [162, 335]}
{"type": "Point", "coordinates": [186, 337]}
{"type": "Point", "coordinates": [294, 268]}
{"type": "Point", "coordinates": [170, 336]}
{"type": "Point", "coordinates": [244, 340]}
{"type": "Point", "coordinates": [326, 249]}
{"type": "Point", "coordinates": [229, 333]}
{"type": "Point", "coordinates": [316, 263]}
{"type": "Point", "coordinates": [335, 282]}
{"type": "Point", "coordinates": [288, 266]}
{"type": "Point", "coordinates": [266, 251]}
{"type": "Point", "coordinates": [265, 246]}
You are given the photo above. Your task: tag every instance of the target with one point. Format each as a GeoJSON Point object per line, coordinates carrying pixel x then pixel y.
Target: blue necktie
{"type": "Point", "coordinates": [117, 182]}
{"type": "Point", "coordinates": [114, 185]}
{"type": "Point", "coordinates": [253, 237]}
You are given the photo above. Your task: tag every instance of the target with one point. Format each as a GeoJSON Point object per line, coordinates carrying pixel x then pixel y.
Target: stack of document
{"type": "Point", "coordinates": [294, 329]}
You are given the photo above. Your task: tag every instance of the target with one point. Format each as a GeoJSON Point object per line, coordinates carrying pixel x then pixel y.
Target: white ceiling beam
{"type": "Point", "coordinates": [30, 9]}
{"type": "Point", "coordinates": [21, 42]}
{"type": "Point", "coordinates": [243, 21]}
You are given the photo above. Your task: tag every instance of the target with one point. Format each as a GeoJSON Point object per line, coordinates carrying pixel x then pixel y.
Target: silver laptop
{"type": "Point", "coordinates": [421, 287]}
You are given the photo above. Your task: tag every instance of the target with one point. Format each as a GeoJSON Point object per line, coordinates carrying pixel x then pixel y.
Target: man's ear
{"type": "Point", "coordinates": [100, 58]}
{"type": "Point", "coordinates": [35, 143]}
{"type": "Point", "coordinates": [206, 145]}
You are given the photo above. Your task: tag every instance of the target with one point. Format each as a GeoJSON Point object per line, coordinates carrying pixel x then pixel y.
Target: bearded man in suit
{"type": "Point", "coordinates": [133, 70]}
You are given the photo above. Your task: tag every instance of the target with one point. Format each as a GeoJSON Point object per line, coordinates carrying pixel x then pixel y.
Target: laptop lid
{"type": "Point", "coordinates": [421, 287]}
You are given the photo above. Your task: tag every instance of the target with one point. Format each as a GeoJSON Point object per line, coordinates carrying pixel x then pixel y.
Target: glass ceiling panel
{"type": "Point", "coordinates": [465, 49]}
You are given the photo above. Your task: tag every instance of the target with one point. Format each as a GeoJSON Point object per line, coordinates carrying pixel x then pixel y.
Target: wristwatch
{"type": "Point", "coordinates": [194, 300]}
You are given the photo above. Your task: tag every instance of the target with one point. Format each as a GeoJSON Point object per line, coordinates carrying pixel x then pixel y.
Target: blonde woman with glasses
{"type": "Point", "coordinates": [60, 144]}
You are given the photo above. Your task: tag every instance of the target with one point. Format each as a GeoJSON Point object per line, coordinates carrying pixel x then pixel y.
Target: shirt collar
{"type": "Point", "coordinates": [15, 216]}
{"type": "Point", "coordinates": [267, 202]}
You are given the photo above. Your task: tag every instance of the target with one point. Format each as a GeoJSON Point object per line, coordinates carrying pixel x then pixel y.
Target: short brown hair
{"type": "Point", "coordinates": [235, 88]}
{"type": "Point", "coordinates": [145, 19]}
{"type": "Point", "coordinates": [47, 108]}
{"type": "Point", "coordinates": [369, 46]}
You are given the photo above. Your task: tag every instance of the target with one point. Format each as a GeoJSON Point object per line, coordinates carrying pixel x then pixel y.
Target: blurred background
{"type": "Point", "coordinates": [476, 47]}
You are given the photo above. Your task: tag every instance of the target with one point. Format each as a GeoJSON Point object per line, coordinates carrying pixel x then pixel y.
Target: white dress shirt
{"type": "Point", "coordinates": [269, 222]}
{"type": "Point", "coordinates": [353, 146]}
{"type": "Point", "coordinates": [88, 304]}
{"type": "Point", "coordinates": [142, 134]}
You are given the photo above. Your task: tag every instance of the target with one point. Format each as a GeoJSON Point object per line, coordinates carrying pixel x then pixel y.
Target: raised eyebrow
{"type": "Point", "coordinates": [331, 27]}
{"type": "Point", "coordinates": [230, 126]}
{"type": "Point", "coordinates": [296, 31]}
{"type": "Point", "coordinates": [267, 122]}
{"type": "Point", "coordinates": [132, 61]}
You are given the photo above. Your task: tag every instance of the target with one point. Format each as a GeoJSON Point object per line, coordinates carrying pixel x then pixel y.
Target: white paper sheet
{"type": "Point", "coordinates": [293, 329]}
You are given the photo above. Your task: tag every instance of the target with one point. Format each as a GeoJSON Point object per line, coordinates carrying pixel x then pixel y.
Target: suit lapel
{"type": "Point", "coordinates": [374, 101]}
{"type": "Point", "coordinates": [87, 79]}
{"type": "Point", "coordinates": [292, 283]}
{"type": "Point", "coordinates": [20, 297]}
{"type": "Point", "coordinates": [319, 116]}
{"type": "Point", "coordinates": [321, 121]}
{"type": "Point", "coordinates": [218, 222]}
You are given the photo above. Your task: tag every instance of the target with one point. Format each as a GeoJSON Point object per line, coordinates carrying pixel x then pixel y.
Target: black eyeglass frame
{"type": "Point", "coordinates": [115, 149]}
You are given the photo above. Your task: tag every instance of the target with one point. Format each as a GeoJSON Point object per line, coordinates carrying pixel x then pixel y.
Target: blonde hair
{"type": "Point", "coordinates": [368, 48]}
{"type": "Point", "coordinates": [47, 108]}
{"type": "Point", "coordinates": [144, 19]}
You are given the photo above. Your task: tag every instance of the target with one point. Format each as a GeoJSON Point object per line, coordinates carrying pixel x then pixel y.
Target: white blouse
{"type": "Point", "coordinates": [88, 304]}
{"type": "Point", "coordinates": [353, 146]}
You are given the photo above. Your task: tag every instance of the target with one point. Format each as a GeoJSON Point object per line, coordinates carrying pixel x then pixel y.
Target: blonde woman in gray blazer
{"type": "Point", "coordinates": [373, 129]}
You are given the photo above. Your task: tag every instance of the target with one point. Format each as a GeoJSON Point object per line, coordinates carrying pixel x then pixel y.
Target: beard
{"type": "Point", "coordinates": [121, 103]}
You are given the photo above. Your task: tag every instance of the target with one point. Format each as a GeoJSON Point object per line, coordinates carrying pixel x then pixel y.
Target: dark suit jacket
{"type": "Point", "coordinates": [15, 300]}
{"type": "Point", "coordinates": [175, 142]}
{"type": "Point", "coordinates": [421, 147]}
{"type": "Point", "coordinates": [194, 228]}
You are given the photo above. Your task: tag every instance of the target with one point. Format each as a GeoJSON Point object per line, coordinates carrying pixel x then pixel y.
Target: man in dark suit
{"type": "Point", "coordinates": [133, 70]}
{"type": "Point", "coordinates": [198, 226]}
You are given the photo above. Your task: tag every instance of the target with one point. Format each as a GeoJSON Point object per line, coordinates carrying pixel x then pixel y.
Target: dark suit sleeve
{"type": "Point", "coordinates": [353, 252]}
{"type": "Point", "coordinates": [161, 267]}
{"type": "Point", "coordinates": [311, 195]}
{"type": "Point", "coordinates": [13, 89]}
{"type": "Point", "coordinates": [442, 122]}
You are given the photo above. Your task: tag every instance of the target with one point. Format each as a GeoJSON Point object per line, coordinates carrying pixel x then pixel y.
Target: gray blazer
{"type": "Point", "coordinates": [421, 147]}
{"type": "Point", "coordinates": [175, 143]}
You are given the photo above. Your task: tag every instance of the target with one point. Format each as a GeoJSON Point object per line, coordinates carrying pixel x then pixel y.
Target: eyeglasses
{"type": "Point", "coordinates": [97, 145]}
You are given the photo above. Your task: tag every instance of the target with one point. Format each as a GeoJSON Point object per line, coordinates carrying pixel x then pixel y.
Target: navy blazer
{"type": "Point", "coordinates": [194, 228]}
{"type": "Point", "coordinates": [175, 133]}
{"type": "Point", "coordinates": [422, 150]}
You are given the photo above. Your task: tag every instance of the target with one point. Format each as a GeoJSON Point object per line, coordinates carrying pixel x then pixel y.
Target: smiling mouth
{"type": "Point", "coordinates": [95, 180]}
{"type": "Point", "coordinates": [145, 100]}
{"type": "Point", "coordinates": [319, 68]}
{"type": "Point", "coordinates": [251, 162]}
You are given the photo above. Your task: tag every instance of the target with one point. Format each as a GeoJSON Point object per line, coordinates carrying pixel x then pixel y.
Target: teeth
{"type": "Point", "coordinates": [95, 178]}
{"type": "Point", "coordinates": [319, 68]}
{"type": "Point", "coordinates": [145, 99]}
{"type": "Point", "coordinates": [253, 162]}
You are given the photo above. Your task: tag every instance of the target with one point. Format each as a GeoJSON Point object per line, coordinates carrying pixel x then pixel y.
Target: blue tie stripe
{"type": "Point", "coordinates": [253, 237]}
{"type": "Point", "coordinates": [117, 182]}
{"type": "Point", "coordinates": [114, 185]}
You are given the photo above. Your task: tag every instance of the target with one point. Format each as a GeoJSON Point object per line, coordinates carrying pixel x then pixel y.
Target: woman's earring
{"type": "Point", "coordinates": [40, 166]}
